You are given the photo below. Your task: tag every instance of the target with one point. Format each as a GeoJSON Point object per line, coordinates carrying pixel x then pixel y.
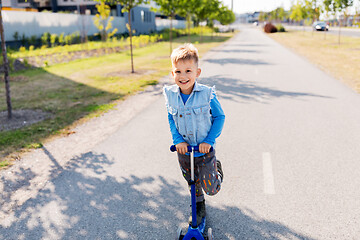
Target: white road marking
{"type": "Point", "coordinates": [269, 187]}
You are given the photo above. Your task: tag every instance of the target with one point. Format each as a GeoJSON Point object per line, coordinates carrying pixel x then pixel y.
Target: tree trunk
{"type": "Point", "coordinates": [171, 17]}
{"type": "Point", "coordinates": [6, 67]}
{"type": "Point", "coordinates": [339, 32]}
{"type": "Point", "coordinates": [130, 35]}
{"type": "Point", "coordinates": [188, 25]}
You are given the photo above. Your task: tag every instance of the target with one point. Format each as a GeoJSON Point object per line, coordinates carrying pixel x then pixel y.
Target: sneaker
{"type": "Point", "coordinates": [220, 171]}
{"type": "Point", "coordinates": [200, 212]}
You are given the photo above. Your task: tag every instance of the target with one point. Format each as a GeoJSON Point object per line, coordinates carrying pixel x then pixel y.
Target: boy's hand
{"type": "Point", "coordinates": [182, 147]}
{"type": "Point", "coordinates": [204, 147]}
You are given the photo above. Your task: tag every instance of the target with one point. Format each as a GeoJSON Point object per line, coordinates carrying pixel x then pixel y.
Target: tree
{"type": "Point", "coordinates": [225, 16]}
{"type": "Point", "coordinates": [102, 21]}
{"type": "Point", "coordinates": [263, 16]}
{"type": "Point", "coordinates": [313, 11]}
{"type": "Point", "coordinates": [337, 6]}
{"type": "Point", "coordinates": [127, 6]}
{"type": "Point", "coordinates": [298, 12]}
{"type": "Point", "coordinates": [204, 9]}
{"type": "Point", "coordinates": [171, 8]}
{"type": "Point", "coordinates": [357, 14]}
{"type": "Point", "coordinates": [6, 66]}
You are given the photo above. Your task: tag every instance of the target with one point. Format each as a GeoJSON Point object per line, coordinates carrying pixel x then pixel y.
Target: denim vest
{"type": "Point", "coordinates": [193, 119]}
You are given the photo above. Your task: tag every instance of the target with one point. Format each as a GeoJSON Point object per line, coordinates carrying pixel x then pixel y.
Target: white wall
{"type": "Point", "coordinates": [36, 23]}
{"type": "Point", "coordinates": [165, 23]}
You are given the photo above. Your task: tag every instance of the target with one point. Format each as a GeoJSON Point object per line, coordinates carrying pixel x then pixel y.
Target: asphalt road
{"type": "Point", "coordinates": [350, 32]}
{"type": "Point", "coordinates": [290, 153]}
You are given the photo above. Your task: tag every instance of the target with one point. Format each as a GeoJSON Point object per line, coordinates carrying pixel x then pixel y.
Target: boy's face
{"type": "Point", "coordinates": [185, 73]}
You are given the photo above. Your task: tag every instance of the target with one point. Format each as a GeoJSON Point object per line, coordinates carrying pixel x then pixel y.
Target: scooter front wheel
{"type": "Point", "coordinates": [179, 235]}
{"type": "Point", "coordinates": [209, 234]}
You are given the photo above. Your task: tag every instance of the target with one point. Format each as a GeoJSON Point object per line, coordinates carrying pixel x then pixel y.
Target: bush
{"type": "Point", "coordinates": [61, 39]}
{"type": "Point", "coordinates": [269, 28]}
{"type": "Point", "coordinates": [33, 40]}
{"type": "Point", "coordinates": [45, 39]}
{"type": "Point", "coordinates": [53, 39]}
{"type": "Point", "coordinates": [280, 28]}
{"type": "Point", "coordinates": [16, 36]}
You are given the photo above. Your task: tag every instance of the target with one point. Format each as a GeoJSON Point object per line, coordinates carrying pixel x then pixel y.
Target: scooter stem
{"type": "Point", "coordinates": [193, 190]}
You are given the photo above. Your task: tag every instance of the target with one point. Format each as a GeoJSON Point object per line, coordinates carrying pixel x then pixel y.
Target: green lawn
{"type": "Point", "coordinates": [76, 91]}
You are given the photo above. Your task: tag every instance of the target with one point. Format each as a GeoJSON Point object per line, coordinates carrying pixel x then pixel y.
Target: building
{"type": "Point", "coordinates": [249, 17]}
{"type": "Point", "coordinates": [142, 18]}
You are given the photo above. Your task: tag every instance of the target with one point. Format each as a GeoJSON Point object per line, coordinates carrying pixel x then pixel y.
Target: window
{"type": "Point", "coordinates": [132, 16]}
{"type": "Point", "coordinates": [142, 16]}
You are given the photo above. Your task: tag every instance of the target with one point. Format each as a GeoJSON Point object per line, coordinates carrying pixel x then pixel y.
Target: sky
{"type": "Point", "coordinates": [248, 6]}
{"type": "Point", "coordinates": [244, 6]}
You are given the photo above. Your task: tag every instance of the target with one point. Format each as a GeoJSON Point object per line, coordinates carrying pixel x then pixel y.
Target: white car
{"type": "Point", "coordinates": [320, 26]}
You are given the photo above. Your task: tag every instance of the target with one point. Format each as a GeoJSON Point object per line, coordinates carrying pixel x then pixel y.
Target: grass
{"type": "Point", "coordinates": [341, 61]}
{"type": "Point", "coordinates": [76, 91]}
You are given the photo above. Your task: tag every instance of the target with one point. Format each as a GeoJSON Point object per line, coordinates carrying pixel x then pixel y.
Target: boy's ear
{"type": "Point", "coordinates": [198, 72]}
{"type": "Point", "coordinates": [172, 73]}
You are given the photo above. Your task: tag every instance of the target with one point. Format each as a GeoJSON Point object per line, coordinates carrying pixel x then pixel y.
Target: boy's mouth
{"type": "Point", "coordinates": [184, 81]}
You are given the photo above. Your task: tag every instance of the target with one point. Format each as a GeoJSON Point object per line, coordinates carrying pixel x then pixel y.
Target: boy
{"type": "Point", "coordinates": [196, 118]}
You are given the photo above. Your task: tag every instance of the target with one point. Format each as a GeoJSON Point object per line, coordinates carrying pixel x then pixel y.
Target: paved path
{"type": "Point", "coordinates": [350, 32]}
{"type": "Point", "coordinates": [290, 152]}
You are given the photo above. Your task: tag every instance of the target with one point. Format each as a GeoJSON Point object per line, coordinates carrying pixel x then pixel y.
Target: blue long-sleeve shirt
{"type": "Point", "coordinates": [218, 119]}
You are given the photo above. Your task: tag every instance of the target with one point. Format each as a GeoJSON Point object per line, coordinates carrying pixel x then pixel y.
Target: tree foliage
{"type": "Point", "coordinates": [225, 16]}
{"type": "Point", "coordinates": [103, 21]}
{"type": "Point", "coordinates": [298, 12]}
{"type": "Point", "coordinates": [127, 5]}
{"type": "Point", "coordinates": [171, 8]}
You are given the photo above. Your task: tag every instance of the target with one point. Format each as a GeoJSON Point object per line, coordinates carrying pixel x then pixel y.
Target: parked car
{"type": "Point", "coordinates": [320, 26]}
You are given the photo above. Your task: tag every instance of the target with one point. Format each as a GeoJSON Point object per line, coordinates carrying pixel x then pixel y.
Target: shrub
{"type": "Point", "coordinates": [53, 39]}
{"type": "Point", "coordinates": [61, 39]}
{"type": "Point", "coordinates": [68, 39]}
{"type": "Point", "coordinates": [45, 38]}
{"type": "Point", "coordinates": [280, 28]}
{"type": "Point", "coordinates": [33, 40]}
{"type": "Point", "coordinates": [269, 28]}
{"type": "Point", "coordinates": [16, 36]}
{"type": "Point", "coordinates": [24, 40]}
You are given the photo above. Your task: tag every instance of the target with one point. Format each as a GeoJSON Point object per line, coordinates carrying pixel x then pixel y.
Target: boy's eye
{"type": "Point", "coordinates": [177, 71]}
{"type": "Point", "coordinates": [188, 71]}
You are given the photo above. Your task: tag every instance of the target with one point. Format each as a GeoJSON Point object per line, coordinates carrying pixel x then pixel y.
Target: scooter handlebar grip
{"type": "Point", "coordinates": [196, 148]}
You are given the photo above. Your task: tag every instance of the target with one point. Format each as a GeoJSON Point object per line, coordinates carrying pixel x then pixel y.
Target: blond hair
{"type": "Point", "coordinates": [185, 52]}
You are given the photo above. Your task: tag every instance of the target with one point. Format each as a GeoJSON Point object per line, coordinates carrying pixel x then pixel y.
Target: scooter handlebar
{"type": "Point", "coordinates": [196, 148]}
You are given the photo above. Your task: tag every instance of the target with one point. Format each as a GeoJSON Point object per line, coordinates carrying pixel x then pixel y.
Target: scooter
{"type": "Point", "coordinates": [194, 231]}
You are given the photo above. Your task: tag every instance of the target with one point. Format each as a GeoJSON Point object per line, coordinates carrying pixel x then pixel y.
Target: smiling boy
{"type": "Point", "coordinates": [196, 118]}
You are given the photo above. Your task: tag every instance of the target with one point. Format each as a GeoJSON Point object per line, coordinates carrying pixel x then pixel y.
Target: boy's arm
{"type": "Point", "coordinates": [218, 121]}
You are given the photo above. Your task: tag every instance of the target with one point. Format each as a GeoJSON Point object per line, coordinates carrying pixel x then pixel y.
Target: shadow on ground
{"type": "Point", "coordinates": [84, 202]}
{"type": "Point", "coordinates": [235, 51]}
{"type": "Point", "coordinates": [224, 61]}
{"type": "Point", "coordinates": [235, 89]}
